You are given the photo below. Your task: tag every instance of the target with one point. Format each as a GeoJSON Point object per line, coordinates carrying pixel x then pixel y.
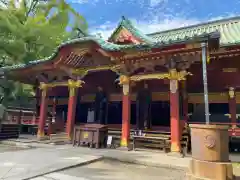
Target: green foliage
{"type": "Point", "coordinates": [31, 30]}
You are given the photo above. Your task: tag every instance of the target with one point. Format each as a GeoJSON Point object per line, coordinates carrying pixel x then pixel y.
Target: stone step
{"type": "Point", "coordinates": [58, 134]}
{"type": "Point", "coordinates": [60, 137]}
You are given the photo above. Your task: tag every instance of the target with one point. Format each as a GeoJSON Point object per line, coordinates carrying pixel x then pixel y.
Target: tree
{"type": "Point", "coordinates": [32, 29]}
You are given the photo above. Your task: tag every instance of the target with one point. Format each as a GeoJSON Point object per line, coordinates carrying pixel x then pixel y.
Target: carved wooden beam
{"type": "Point", "coordinates": [82, 72]}
{"type": "Point", "coordinates": [41, 78]}
{"type": "Point", "coordinates": [68, 72]}
{"type": "Point", "coordinates": [172, 74]}
{"type": "Point", "coordinates": [69, 83]}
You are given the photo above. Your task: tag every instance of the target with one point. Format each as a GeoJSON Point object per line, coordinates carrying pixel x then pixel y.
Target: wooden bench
{"type": "Point", "coordinates": [161, 142]}
{"type": "Point", "coordinates": [116, 136]}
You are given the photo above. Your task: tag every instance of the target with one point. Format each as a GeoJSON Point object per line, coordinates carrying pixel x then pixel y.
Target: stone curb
{"type": "Point", "coordinates": [34, 175]}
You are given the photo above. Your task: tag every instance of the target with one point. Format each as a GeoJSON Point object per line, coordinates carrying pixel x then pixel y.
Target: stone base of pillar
{"type": "Point", "coordinates": [124, 145]}
{"type": "Point", "coordinates": [43, 138]}
{"type": "Point", "coordinates": [205, 170]}
{"type": "Point", "coordinates": [175, 150]}
{"type": "Point", "coordinates": [124, 148]}
{"type": "Point", "coordinates": [176, 154]}
{"type": "Point", "coordinates": [41, 135]}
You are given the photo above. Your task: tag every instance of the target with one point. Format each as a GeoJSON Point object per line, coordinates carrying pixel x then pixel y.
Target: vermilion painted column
{"type": "Point", "coordinates": [232, 106]}
{"type": "Point", "coordinates": [126, 111]}
{"type": "Point", "coordinates": [50, 125]}
{"type": "Point", "coordinates": [43, 111]}
{"type": "Point", "coordinates": [72, 101]}
{"type": "Point", "coordinates": [185, 101]}
{"type": "Point", "coordinates": [174, 116]}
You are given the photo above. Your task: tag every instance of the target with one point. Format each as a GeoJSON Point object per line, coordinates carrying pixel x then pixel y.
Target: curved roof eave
{"type": "Point", "coordinates": [111, 47]}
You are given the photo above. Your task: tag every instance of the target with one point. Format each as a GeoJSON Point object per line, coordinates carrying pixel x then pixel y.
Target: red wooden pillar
{"type": "Point", "coordinates": [126, 111]}
{"type": "Point", "coordinates": [72, 101]}
{"type": "Point", "coordinates": [232, 106]}
{"type": "Point", "coordinates": [185, 101]}
{"type": "Point", "coordinates": [43, 111]}
{"type": "Point", "coordinates": [174, 116]}
{"type": "Point", "coordinates": [50, 125]}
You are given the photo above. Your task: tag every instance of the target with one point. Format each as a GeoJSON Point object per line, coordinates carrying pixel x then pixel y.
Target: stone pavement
{"type": "Point", "coordinates": [38, 161]}
{"type": "Point", "coordinates": [151, 158]}
{"type": "Point", "coordinates": [24, 164]}
{"type": "Point", "coordinates": [109, 170]}
{"type": "Point", "coordinates": [50, 158]}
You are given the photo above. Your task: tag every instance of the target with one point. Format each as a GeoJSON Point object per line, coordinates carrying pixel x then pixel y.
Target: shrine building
{"type": "Point", "coordinates": [169, 62]}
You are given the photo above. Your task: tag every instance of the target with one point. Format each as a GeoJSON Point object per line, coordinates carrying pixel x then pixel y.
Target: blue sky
{"type": "Point", "coordinates": [152, 15]}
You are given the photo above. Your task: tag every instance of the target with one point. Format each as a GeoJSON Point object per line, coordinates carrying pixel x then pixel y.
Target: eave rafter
{"type": "Point", "coordinates": [148, 60]}
{"type": "Point", "coordinates": [78, 57]}
{"type": "Point", "coordinates": [110, 54]}
{"type": "Point", "coordinates": [68, 72]}
{"type": "Point", "coordinates": [41, 78]}
{"type": "Point", "coordinates": [223, 53]}
{"type": "Point", "coordinates": [73, 58]}
{"type": "Point", "coordinates": [145, 55]}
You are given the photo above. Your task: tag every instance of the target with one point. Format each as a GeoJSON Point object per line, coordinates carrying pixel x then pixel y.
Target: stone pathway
{"type": "Point", "coordinates": [6, 148]}
{"type": "Point", "coordinates": [30, 163]}
{"type": "Point", "coordinates": [109, 170]}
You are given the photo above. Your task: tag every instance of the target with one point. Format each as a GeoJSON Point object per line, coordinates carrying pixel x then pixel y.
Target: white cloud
{"type": "Point", "coordinates": [155, 24]}
{"type": "Point", "coordinates": [146, 27]}
{"type": "Point", "coordinates": [159, 16]}
{"type": "Point", "coordinates": [157, 2]}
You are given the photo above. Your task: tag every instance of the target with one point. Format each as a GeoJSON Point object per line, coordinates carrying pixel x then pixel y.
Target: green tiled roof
{"type": "Point", "coordinates": [127, 24]}
{"type": "Point", "coordinates": [108, 46]}
{"type": "Point", "coordinates": [229, 30]}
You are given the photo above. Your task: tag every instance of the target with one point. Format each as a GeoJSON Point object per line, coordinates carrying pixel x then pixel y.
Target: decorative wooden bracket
{"type": "Point", "coordinates": [172, 75]}
{"type": "Point", "coordinates": [41, 78]}
{"type": "Point", "coordinates": [70, 83]}
{"type": "Point", "coordinates": [82, 72]}
{"type": "Point", "coordinates": [231, 92]}
{"type": "Point", "coordinates": [68, 72]}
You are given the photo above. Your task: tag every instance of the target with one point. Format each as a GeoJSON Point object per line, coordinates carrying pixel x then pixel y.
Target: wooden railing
{"type": "Point", "coordinates": [25, 120]}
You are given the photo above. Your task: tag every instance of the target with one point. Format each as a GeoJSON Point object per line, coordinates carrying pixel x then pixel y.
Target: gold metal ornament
{"type": "Point", "coordinates": [73, 85]}
{"type": "Point", "coordinates": [174, 74]}
{"type": "Point", "coordinates": [43, 86]}
{"type": "Point", "coordinates": [171, 75]}
{"type": "Point", "coordinates": [231, 92]}
{"type": "Point", "coordinates": [124, 80]}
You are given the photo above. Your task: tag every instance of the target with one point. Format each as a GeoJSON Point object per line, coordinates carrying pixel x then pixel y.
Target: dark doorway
{"type": "Point", "coordinates": [160, 113]}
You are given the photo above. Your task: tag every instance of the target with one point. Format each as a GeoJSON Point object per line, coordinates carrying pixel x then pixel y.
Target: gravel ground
{"type": "Point", "coordinates": [114, 170]}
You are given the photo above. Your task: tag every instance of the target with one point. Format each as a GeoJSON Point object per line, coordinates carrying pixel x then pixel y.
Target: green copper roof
{"type": "Point", "coordinates": [229, 30]}
{"type": "Point", "coordinates": [108, 46]}
{"type": "Point", "coordinates": [127, 24]}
